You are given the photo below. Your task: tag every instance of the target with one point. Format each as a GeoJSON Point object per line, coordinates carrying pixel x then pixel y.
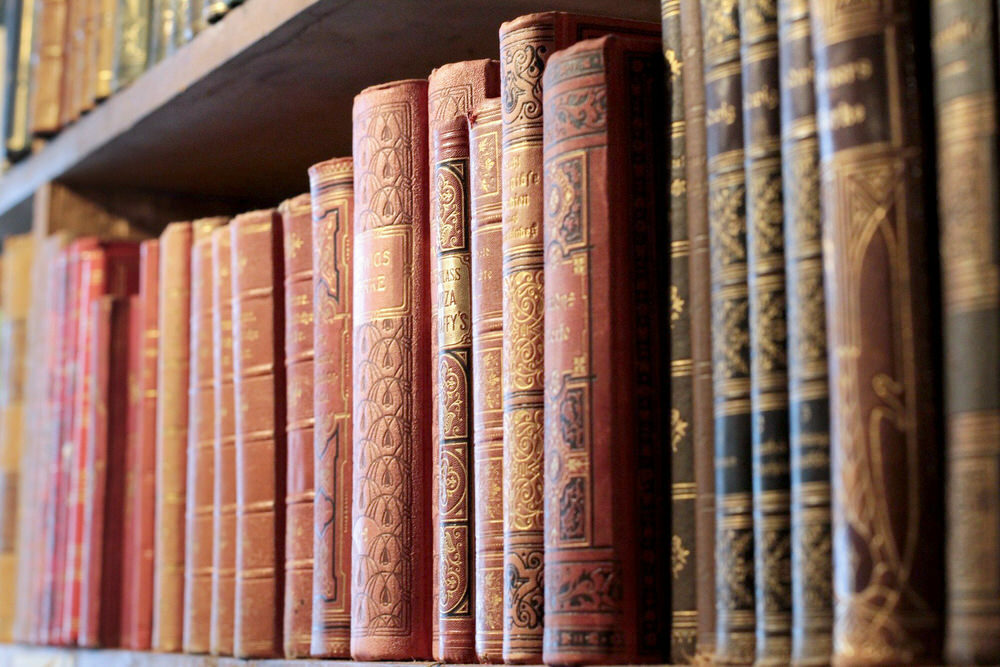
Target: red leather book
{"type": "Point", "coordinates": [133, 474]}
{"type": "Point", "coordinates": [606, 362]}
{"type": "Point", "coordinates": [174, 316]}
{"type": "Point", "coordinates": [391, 606]}
{"type": "Point", "coordinates": [453, 90]}
{"type": "Point", "coordinates": [200, 446]}
{"type": "Point", "coordinates": [296, 225]}
{"type": "Point", "coordinates": [224, 487]}
{"type": "Point", "coordinates": [259, 397]}
{"type": "Point", "coordinates": [487, 394]}
{"type": "Point", "coordinates": [331, 185]}
{"type": "Point", "coordinates": [137, 609]}
{"type": "Point", "coordinates": [526, 43]}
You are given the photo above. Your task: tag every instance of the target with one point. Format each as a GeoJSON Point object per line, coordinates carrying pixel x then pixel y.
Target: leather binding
{"type": "Point", "coordinates": [391, 605]}
{"type": "Point", "coordinates": [132, 504]}
{"type": "Point", "coordinates": [171, 435]}
{"type": "Point", "coordinates": [214, 10]}
{"type": "Point", "coordinates": [86, 63]}
{"type": "Point", "coordinates": [765, 242]}
{"type": "Point", "coordinates": [137, 609]}
{"type": "Point", "coordinates": [965, 57]}
{"type": "Point", "coordinates": [46, 93]}
{"type": "Point", "coordinates": [699, 300]}
{"type": "Point", "coordinates": [485, 193]}
{"type": "Point", "coordinates": [224, 486]}
{"type": "Point", "coordinates": [453, 90]}
{"type": "Point", "coordinates": [808, 388]}
{"type": "Point", "coordinates": [72, 67]}
{"type": "Point", "coordinates": [873, 105]}
{"type": "Point", "coordinates": [734, 547]}
{"type": "Point", "coordinates": [526, 43]}
{"type": "Point", "coordinates": [331, 185]}
{"type": "Point", "coordinates": [259, 399]}
{"type": "Point", "coordinates": [296, 225]}
{"type": "Point", "coordinates": [200, 442]}
{"type": "Point", "coordinates": [16, 297]}
{"type": "Point", "coordinates": [683, 554]}
{"type": "Point", "coordinates": [131, 42]}
{"type": "Point", "coordinates": [107, 17]}
{"type": "Point", "coordinates": [21, 24]}
{"type": "Point", "coordinates": [606, 403]}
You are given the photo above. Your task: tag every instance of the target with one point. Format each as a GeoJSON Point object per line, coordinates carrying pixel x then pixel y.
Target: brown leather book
{"type": "Point", "coordinates": [485, 197]}
{"type": "Point", "coordinates": [137, 608]}
{"type": "Point", "coordinates": [453, 90]}
{"type": "Point", "coordinates": [131, 528]}
{"type": "Point", "coordinates": [72, 66]}
{"type": "Point", "coordinates": [87, 87]}
{"type": "Point", "coordinates": [965, 86]}
{"type": "Point", "coordinates": [296, 225]}
{"type": "Point", "coordinates": [391, 606]}
{"type": "Point", "coordinates": [874, 108]}
{"type": "Point", "coordinates": [808, 382]}
{"type": "Point", "coordinates": [526, 43]}
{"type": "Point", "coordinates": [683, 554]}
{"type": "Point", "coordinates": [200, 498]}
{"type": "Point", "coordinates": [607, 520]}
{"type": "Point", "coordinates": [259, 399]}
{"type": "Point", "coordinates": [174, 312]}
{"type": "Point", "coordinates": [331, 185]}
{"type": "Point", "coordinates": [16, 297]}
{"type": "Point", "coordinates": [224, 486]}
{"type": "Point", "coordinates": [46, 93]}
{"type": "Point", "coordinates": [699, 304]}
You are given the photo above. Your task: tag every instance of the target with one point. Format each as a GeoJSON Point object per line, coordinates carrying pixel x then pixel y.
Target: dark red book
{"type": "Point", "coordinates": [133, 429]}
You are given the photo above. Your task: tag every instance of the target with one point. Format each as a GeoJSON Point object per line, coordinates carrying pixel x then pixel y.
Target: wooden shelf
{"type": "Point", "coordinates": [248, 105]}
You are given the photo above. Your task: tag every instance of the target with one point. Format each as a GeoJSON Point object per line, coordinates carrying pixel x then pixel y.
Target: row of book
{"type": "Point", "coordinates": [63, 57]}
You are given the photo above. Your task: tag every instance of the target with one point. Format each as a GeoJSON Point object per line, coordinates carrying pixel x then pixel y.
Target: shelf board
{"type": "Point", "coordinates": [248, 105]}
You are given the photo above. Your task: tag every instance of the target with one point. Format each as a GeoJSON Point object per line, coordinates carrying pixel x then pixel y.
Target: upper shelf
{"type": "Point", "coordinates": [247, 106]}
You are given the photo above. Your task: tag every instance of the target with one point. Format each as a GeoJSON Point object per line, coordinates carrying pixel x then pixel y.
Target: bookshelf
{"type": "Point", "coordinates": [235, 117]}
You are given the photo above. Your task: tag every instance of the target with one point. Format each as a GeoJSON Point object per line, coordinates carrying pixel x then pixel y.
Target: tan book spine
{"type": "Point", "coordinates": [50, 45]}
{"type": "Point", "coordinates": [105, 63]}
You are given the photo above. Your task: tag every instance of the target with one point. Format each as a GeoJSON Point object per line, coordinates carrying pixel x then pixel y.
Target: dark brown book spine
{"type": "Point", "coordinates": [48, 52]}
{"type": "Point", "coordinates": [765, 239]}
{"type": "Point", "coordinates": [391, 609]}
{"type": "Point", "coordinates": [808, 381]}
{"type": "Point", "coordinates": [259, 399]}
{"type": "Point", "coordinates": [200, 497]}
{"type": "Point", "coordinates": [296, 225]}
{"type": "Point", "coordinates": [485, 192]}
{"type": "Point", "coordinates": [699, 301]}
{"type": "Point", "coordinates": [683, 551]}
{"type": "Point", "coordinates": [734, 546]}
{"type": "Point", "coordinates": [331, 185]}
{"type": "Point", "coordinates": [526, 44]}
{"type": "Point", "coordinates": [606, 409]}
{"type": "Point", "coordinates": [965, 64]}
{"type": "Point", "coordinates": [224, 487]}
{"type": "Point", "coordinates": [872, 104]}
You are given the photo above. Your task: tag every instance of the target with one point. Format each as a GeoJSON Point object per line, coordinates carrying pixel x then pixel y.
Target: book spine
{"type": "Point", "coordinates": [131, 47]}
{"type": "Point", "coordinates": [734, 546]}
{"type": "Point", "coordinates": [331, 186]}
{"type": "Point", "coordinates": [132, 511]}
{"type": "Point", "coordinates": [174, 311]}
{"type": "Point", "coordinates": [683, 549]}
{"type": "Point", "coordinates": [296, 215]}
{"type": "Point", "coordinates": [200, 442]}
{"type": "Point", "coordinates": [72, 55]}
{"type": "Point", "coordinates": [161, 30]}
{"type": "Point", "coordinates": [224, 486]}
{"type": "Point", "coordinates": [21, 29]}
{"type": "Point", "coordinates": [486, 201]}
{"type": "Point", "coordinates": [965, 52]}
{"type": "Point", "coordinates": [213, 10]}
{"type": "Point", "coordinates": [808, 388]}
{"type": "Point", "coordinates": [47, 53]}
{"type": "Point", "coordinates": [391, 349]}
{"type": "Point", "coordinates": [878, 224]}
{"type": "Point", "coordinates": [90, 66]}
{"type": "Point", "coordinates": [107, 18]}
{"type": "Point", "coordinates": [606, 407]}
{"type": "Point", "coordinates": [196, 21]}
{"type": "Point", "coordinates": [259, 399]}
{"type": "Point", "coordinates": [182, 18]}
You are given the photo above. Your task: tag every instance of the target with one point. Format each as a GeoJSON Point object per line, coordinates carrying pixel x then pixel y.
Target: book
{"type": "Point", "coordinates": [808, 382]}
{"type": "Point", "coordinates": [224, 486]}
{"type": "Point", "coordinates": [131, 42]}
{"type": "Point", "coordinates": [73, 67]}
{"type": "Point", "coordinates": [131, 504]}
{"type": "Point", "coordinates": [47, 53]}
{"type": "Point", "coordinates": [606, 599]}
{"type": "Point", "coordinates": [104, 62]}
{"type": "Point", "coordinates": [331, 186]}
{"type": "Point", "coordinates": [200, 442]}
{"type": "Point", "coordinates": [296, 225]}
{"type": "Point", "coordinates": [161, 30]}
{"type": "Point", "coordinates": [259, 402]}
{"type": "Point", "coordinates": [391, 606]}
{"type": "Point", "coordinates": [20, 21]}
{"type": "Point", "coordinates": [873, 111]}
{"type": "Point", "coordinates": [453, 90]}
{"type": "Point", "coordinates": [526, 43]}
{"type": "Point", "coordinates": [485, 199]}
